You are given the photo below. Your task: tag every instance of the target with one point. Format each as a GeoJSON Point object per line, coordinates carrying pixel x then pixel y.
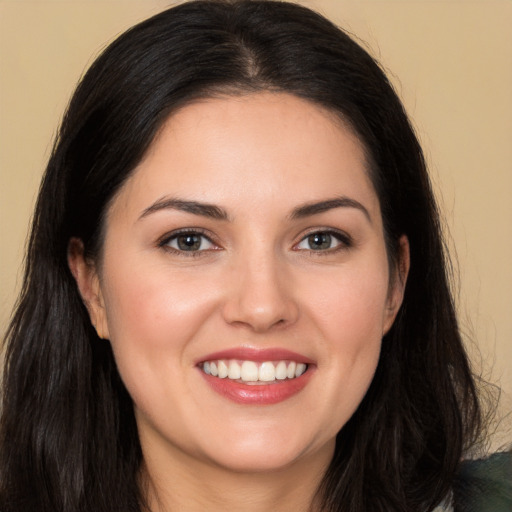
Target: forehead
{"type": "Point", "coordinates": [253, 148]}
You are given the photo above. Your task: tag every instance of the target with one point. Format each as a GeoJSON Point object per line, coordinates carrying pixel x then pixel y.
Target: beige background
{"type": "Point", "coordinates": [451, 62]}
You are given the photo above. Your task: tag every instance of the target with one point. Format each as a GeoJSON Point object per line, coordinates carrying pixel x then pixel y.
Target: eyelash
{"type": "Point", "coordinates": [345, 242]}
{"type": "Point", "coordinates": [167, 239]}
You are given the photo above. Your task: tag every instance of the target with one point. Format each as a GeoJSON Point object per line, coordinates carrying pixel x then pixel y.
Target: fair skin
{"type": "Point", "coordinates": [287, 255]}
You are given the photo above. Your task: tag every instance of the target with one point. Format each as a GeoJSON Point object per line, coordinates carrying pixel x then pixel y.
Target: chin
{"type": "Point", "coordinates": [267, 453]}
{"type": "Point", "coordinates": [265, 460]}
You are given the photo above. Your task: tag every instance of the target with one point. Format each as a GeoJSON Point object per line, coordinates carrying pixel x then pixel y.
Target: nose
{"type": "Point", "coordinates": [260, 295]}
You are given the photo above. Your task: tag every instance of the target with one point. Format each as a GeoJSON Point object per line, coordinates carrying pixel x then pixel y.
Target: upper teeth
{"type": "Point", "coordinates": [250, 371]}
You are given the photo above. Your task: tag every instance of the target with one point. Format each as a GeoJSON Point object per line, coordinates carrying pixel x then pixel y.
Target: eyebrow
{"type": "Point", "coordinates": [215, 212]}
{"type": "Point", "coordinates": [315, 208]}
{"type": "Point", "coordinates": [194, 207]}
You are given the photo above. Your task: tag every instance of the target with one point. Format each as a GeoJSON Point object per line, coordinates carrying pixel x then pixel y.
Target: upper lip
{"type": "Point", "coordinates": [257, 355]}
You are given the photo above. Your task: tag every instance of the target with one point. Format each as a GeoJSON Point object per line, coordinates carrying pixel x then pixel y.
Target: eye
{"type": "Point", "coordinates": [323, 241]}
{"type": "Point", "coordinates": [188, 241]}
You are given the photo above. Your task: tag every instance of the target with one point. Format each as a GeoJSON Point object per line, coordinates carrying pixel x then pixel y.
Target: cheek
{"type": "Point", "coordinates": [154, 314]}
{"type": "Point", "coordinates": [350, 314]}
{"type": "Point", "coordinates": [154, 319]}
{"type": "Point", "coordinates": [353, 304]}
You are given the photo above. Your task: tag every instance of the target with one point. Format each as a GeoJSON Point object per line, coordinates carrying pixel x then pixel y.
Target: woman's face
{"type": "Point", "coordinates": [244, 283]}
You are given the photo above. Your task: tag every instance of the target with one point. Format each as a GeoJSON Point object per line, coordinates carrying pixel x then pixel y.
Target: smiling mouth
{"type": "Point", "coordinates": [252, 372]}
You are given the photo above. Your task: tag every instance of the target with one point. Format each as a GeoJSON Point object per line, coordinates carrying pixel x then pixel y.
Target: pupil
{"type": "Point", "coordinates": [189, 242]}
{"type": "Point", "coordinates": [320, 241]}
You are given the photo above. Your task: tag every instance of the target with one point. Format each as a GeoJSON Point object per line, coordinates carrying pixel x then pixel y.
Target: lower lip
{"type": "Point", "coordinates": [258, 394]}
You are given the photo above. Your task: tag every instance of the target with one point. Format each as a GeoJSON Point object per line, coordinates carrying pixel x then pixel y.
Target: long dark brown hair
{"type": "Point", "coordinates": [68, 437]}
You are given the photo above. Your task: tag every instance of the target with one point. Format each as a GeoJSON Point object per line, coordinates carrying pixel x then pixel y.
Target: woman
{"type": "Point", "coordinates": [236, 295]}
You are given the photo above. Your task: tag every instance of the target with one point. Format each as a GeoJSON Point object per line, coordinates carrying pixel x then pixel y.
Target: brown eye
{"type": "Point", "coordinates": [189, 242]}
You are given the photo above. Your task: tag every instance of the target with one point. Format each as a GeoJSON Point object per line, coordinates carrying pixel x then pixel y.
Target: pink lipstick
{"type": "Point", "coordinates": [256, 376]}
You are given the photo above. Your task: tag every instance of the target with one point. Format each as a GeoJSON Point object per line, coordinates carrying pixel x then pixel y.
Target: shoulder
{"type": "Point", "coordinates": [484, 485]}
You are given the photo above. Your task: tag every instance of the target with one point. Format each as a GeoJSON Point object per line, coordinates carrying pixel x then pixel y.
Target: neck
{"type": "Point", "coordinates": [190, 485]}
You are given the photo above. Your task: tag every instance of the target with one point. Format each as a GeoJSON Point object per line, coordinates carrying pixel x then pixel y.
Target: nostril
{"type": "Point", "coordinates": [260, 299]}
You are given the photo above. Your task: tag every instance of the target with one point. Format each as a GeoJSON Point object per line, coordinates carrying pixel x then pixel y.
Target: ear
{"type": "Point", "coordinates": [397, 283]}
{"type": "Point", "coordinates": [88, 283]}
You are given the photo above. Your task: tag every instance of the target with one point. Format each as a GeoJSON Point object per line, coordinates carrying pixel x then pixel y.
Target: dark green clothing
{"type": "Point", "coordinates": [484, 485]}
